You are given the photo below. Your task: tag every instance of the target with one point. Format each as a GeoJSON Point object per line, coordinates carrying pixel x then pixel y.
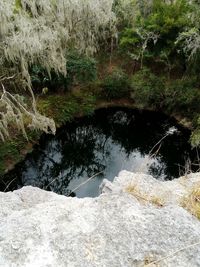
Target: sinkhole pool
{"type": "Point", "coordinates": [102, 145]}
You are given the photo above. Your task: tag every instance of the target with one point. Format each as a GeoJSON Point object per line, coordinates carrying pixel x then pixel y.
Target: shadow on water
{"type": "Point", "coordinates": [111, 140]}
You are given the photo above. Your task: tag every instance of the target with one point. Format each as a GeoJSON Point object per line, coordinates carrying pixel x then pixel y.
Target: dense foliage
{"type": "Point", "coordinates": [165, 37]}
{"type": "Point", "coordinates": [115, 85]}
{"type": "Point", "coordinates": [179, 95]}
{"type": "Point", "coordinates": [81, 69]}
{"type": "Point", "coordinates": [42, 34]}
{"type": "Point", "coordinates": [146, 50]}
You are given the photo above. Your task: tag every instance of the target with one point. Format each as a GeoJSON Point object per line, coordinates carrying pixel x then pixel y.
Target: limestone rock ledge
{"type": "Point", "coordinates": [136, 221]}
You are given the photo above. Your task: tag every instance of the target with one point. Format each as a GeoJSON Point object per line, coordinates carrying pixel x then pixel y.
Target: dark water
{"type": "Point", "coordinates": [110, 141]}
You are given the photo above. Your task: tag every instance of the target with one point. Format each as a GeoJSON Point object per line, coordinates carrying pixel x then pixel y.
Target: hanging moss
{"type": "Point", "coordinates": [42, 33]}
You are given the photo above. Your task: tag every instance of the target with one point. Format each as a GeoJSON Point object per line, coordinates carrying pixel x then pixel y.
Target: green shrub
{"type": "Point", "coordinates": [116, 84]}
{"type": "Point", "coordinates": [195, 138]}
{"type": "Point", "coordinates": [147, 88]}
{"type": "Point", "coordinates": [183, 95]}
{"type": "Point", "coordinates": [166, 19]}
{"type": "Point", "coordinates": [80, 69]}
{"type": "Point", "coordinates": [41, 79]}
{"type": "Point", "coordinates": [180, 95]}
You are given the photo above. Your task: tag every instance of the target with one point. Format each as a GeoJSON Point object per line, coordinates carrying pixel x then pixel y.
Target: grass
{"type": "Point", "coordinates": [143, 197]}
{"type": "Point", "coordinates": [191, 202]}
{"type": "Point", "coordinates": [63, 108]}
{"type": "Point", "coordinates": [149, 260]}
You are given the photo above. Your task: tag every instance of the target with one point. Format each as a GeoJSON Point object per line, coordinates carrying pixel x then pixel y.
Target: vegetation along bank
{"type": "Point", "coordinates": [143, 54]}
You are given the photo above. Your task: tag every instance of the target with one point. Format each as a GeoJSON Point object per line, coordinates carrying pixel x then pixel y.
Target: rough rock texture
{"type": "Point", "coordinates": [40, 229]}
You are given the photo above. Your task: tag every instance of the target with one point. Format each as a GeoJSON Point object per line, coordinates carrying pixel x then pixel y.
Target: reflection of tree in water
{"type": "Point", "coordinates": [133, 131]}
{"type": "Point", "coordinates": [76, 152]}
{"type": "Point", "coordinates": [142, 130]}
{"type": "Point", "coordinates": [83, 148]}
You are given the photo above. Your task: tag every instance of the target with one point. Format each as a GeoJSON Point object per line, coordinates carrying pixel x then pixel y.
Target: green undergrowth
{"type": "Point", "coordinates": [62, 108]}
{"type": "Point", "coordinates": [9, 152]}
{"type": "Point", "coordinates": [141, 88]}
{"type": "Point", "coordinates": [154, 66]}
{"type": "Point", "coordinates": [14, 150]}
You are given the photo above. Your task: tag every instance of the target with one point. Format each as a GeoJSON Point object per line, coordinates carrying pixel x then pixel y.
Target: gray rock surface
{"type": "Point", "coordinates": [117, 229]}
